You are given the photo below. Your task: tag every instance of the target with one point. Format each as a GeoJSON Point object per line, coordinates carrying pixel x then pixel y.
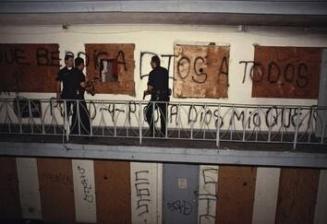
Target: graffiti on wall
{"type": "Point", "coordinates": [201, 71]}
{"type": "Point", "coordinates": [29, 67]}
{"type": "Point", "coordinates": [208, 194]}
{"type": "Point", "coordinates": [197, 71]}
{"type": "Point", "coordinates": [112, 65]}
{"type": "Point", "coordinates": [287, 72]}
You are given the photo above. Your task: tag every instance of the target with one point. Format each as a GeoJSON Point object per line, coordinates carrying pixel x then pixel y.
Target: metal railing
{"type": "Point", "coordinates": [181, 120]}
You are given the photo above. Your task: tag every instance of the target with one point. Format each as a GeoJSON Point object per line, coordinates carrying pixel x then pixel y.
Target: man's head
{"type": "Point", "coordinates": [79, 63]}
{"type": "Point", "coordinates": [69, 60]}
{"type": "Point", "coordinates": [155, 62]}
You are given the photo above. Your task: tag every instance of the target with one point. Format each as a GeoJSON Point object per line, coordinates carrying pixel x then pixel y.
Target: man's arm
{"type": "Point", "coordinates": [148, 91]}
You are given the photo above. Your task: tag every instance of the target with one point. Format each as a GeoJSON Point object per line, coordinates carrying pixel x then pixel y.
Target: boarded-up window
{"type": "Point", "coordinates": [201, 71]}
{"type": "Point", "coordinates": [28, 67]}
{"type": "Point", "coordinates": [112, 66]}
{"type": "Point", "coordinates": [287, 72]}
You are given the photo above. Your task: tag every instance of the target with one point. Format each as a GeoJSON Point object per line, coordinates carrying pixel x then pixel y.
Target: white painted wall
{"type": "Point", "coordinates": [84, 191]}
{"type": "Point", "coordinates": [207, 200]}
{"type": "Point", "coordinates": [146, 192]}
{"type": "Point", "coordinates": [266, 195]}
{"type": "Point", "coordinates": [161, 39]}
{"type": "Point", "coordinates": [29, 190]}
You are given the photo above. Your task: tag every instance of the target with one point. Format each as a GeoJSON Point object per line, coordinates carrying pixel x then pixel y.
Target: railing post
{"type": "Point", "coordinates": [77, 102]}
{"type": "Point", "coordinates": [30, 115]}
{"type": "Point", "coordinates": [218, 129]}
{"type": "Point", "coordinates": [19, 116]}
{"type": "Point", "coordinates": [114, 117]}
{"type": "Point", "coordinates": [166, 120]}
{"type": "Point", "coordinates": [152, 119]}
{"type": "Point", "coordinates": [323, 132]}
{"type": "Point", "coordinates": [90, 121]}
{"type": "Point", "coordinates": [140, 123]}
{"type": "Point", "coordinates": [244, 126]}
{"type": "Point", "coordinates": [296, 129]}
{"type": "Point", "coordinates": [42, 118]}
{"type": "Point", "coordinates": [204, 121]}
{"type": "Point", "coordinates": [66, 121]}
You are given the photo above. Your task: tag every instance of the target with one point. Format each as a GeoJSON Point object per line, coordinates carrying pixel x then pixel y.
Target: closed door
{"type": "Point", "coordinates": [180, 190]}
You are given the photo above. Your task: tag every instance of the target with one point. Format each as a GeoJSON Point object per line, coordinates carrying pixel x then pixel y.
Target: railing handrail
{"type": "Point", "coordinates": [183, 103]}
{"type": "Point", "coordinates": [293, 124]}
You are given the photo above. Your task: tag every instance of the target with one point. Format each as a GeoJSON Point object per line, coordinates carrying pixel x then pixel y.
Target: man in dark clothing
{"type": "Point", "coordinates": [65, 76]}
{"type": "Point", "coordinates": [158, 87]}
{"type": "Point", "coordinates": [81, 117]}
{"type": "Point", "coordinates": [68, 80]}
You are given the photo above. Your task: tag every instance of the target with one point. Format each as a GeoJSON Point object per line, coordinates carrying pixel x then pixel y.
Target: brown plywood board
{"type": "Point", "coordinates": [286, 72]}
{"type": "Point", "coordinates": [124, 56]}
{"type": "Point", "coordinates": [201, 71]}
{"type": "Point", "coordinates": [56, 190]}
{"type": "Point", "coordinates": [297, 195]}
{"type": "Point", "coordinates": [9, 192]}
{"type": "Point", "coordinates": [236, 188]}
{"type": "Point", "coordinates": [29, 67]}
{"type": "Point", "coordinates": [112, 184]}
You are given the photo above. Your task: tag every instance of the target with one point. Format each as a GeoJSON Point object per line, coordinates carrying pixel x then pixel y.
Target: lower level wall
{"type": "Point", "coordinates": [102, 191]}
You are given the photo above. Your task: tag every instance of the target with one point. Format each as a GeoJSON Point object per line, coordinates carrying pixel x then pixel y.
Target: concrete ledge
{"type": "Point", "coordinates": [242, 7]}
{"type": "Point", "coordinates": [165, 154]}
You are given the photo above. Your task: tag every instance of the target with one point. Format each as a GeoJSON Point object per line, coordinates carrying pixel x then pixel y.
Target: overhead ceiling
{"type": "Point", "coordinates": [242, 12]}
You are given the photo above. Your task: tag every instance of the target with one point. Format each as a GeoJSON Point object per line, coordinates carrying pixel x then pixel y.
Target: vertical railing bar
{"type": "Point", "coordinates": [269, 133]}
{"type": "Point", "coordinates": [192, 125]}
{"type": "Point", "coordinates": [231, 129]}
{"type": "Point", "coordinates": [42, 118]}
{"type": "Point", "coordinates": [310, 128]}
{"type": "Point", "coordinates": [204, 121]}
{"type": "Point", "coordinates": [166, 120]}
{"type": "Point", "coordinates": [256, 128]}
{"type": "Point", "coordinates": [323, 131]}
{"type": "Point", "coordinates": [114, 117]}
{"type": "Point", "coordinates": [8, 116]}
{"type": "Point", "coordinates": [218, 129]}
{"type": "Point", "coordinates": [66, 122]}
{"type": "Point", "coordinates": [19, 116]}
{"type": "Point", "coordinates": [153, 120]}
{"type": "Point", "coordinates": [140, 123]}
{"type": "Point", "coordinates": [77, 102]}
{"type": "Point", "coordinates": [296, 129]}
{"type": "Point", "coordinates": [128, 119]}
{"type": "Point", "coordinates": [30, 115]}
{"type": "Point", "coordinates": [90, 120]}
{"type": "Point", "coordinates": [244, 126]}
{"type": "Point", "coordinates": [179, 121]}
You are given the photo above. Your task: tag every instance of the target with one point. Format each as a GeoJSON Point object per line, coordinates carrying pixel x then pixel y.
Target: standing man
{"type": "Point", "coordinates": [159, 90]}
{"type": "Point", "coordinates": [68, 92]}
{"type": "Point", "coordinates": [81, 121]}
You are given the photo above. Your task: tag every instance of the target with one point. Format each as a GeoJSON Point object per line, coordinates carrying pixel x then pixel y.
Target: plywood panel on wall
{"type": "Point", "coordinates": [56, 190]}
{"type": "Point", "coordinates": [9, 193]}
{"type": "Point", "coordinates": [286, 72]}
{"type": "Point", "coordinates": [29, 67]}
{"type": "Point", "coordinates": [113, 192]}
{"type": "Point", "coordinates": [123, 55]}
{"type": "Point", "coordinates": [201, 71]}
{"type": "Point", "coordinates": [236, 187]}
{"type": "Point", "coordinates": [297, 195]}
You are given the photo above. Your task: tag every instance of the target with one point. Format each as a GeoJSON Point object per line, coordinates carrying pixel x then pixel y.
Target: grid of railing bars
{"type": "Point", "coordinates": [185, 120]}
